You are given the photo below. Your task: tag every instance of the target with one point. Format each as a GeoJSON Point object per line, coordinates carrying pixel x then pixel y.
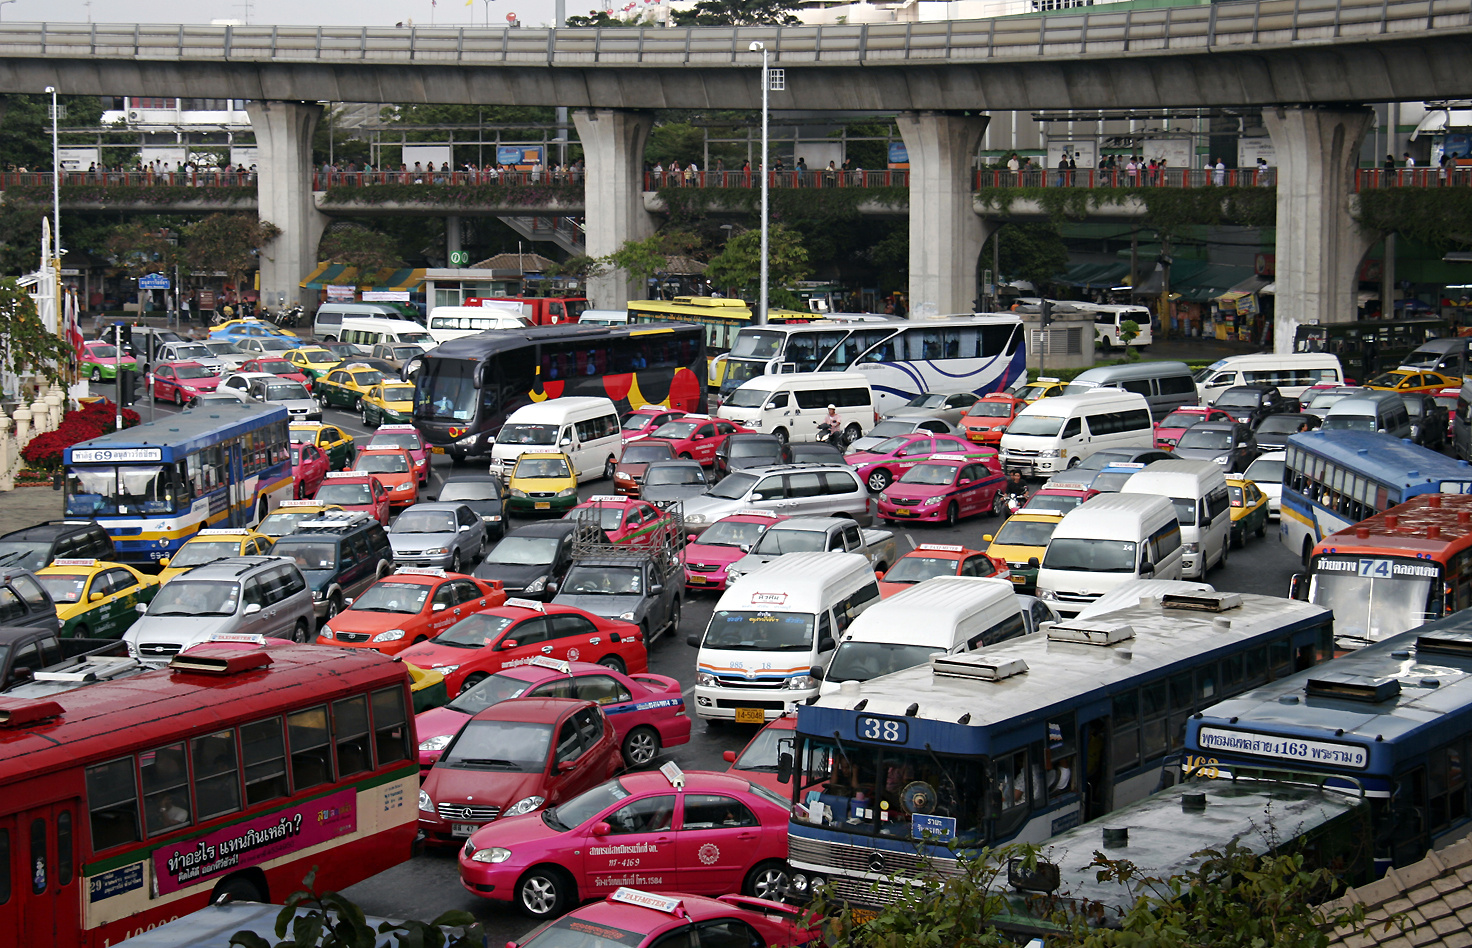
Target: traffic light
{"type": "Point", "coordinates": [127, 386]}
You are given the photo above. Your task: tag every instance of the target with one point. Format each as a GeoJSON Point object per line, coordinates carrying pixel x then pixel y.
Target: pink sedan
{"type": "Point", "coordinates": [408, 438]}
{"type": "Point", "coordinates": [647, 711]}
{"type": "Point", "coordinates": [891, 458]}
{"type": "Point", "coordinates": [944, 488]}
{"type": "Point", "coordinates": [642, 421]}
{"type": "Point", "coordinates": [723, 543]}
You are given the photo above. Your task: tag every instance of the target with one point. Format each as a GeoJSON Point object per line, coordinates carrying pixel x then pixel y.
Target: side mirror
{"type": "Point", "coordinates": [784, 768]}
{"type": "Point", "coordinates": [552, 588]}
{"type": "Point", "coordinates": [164, 562]}
{"type": "Point", "coordinates": [252, 609]}
{"type": "Point", "coordinates": [599, 829]}
{"type": "Point", "coordinates": [464, 527]}
{"type": "Point", "coordinates": [437, 607]}
{"type": "Point", "coordinates": [816, 672]}
{"type": "Point", "coordinates": [509, 643]}
{"type": "Point", "coordinates": [728, 756]}
{"type": "Point", "coordinates": [1032, 562]}
{"type": "Point", "coordinates": [95, 597]}
{"type": "Point", "coordinates": [987, 537]}
{"type": "Point", "coordinates": [656, 589]}
{"type": "Point", "coordinates": [349, 601]}
{"type": "Point", "coordinates": [879, 574]}
{"type": "Point", "coordinates": [1147, 569]}
{"type": "Point", "coordinates": [1298, 587]}
{"type": "Point", "coordinates": [21, 674]}
{"type": "Point", "coordinates": [826, 643]}
{"type": "Point", "coordinates": [691, 538]}
{"type": "Point", "coordinates": [568, 766]}
{"type": "Point", "coordinates": [141, 608]}
{"type": "Point", "coordinates": [693, 641]}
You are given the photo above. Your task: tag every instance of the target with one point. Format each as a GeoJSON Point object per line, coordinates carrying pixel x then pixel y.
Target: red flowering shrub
{"type": "Point", "coordinates": [44, 451]}
{"type": "Point", "coordinates": [90, 421]}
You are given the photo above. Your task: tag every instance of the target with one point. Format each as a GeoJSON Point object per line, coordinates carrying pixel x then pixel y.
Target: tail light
{"type": "Point", "coordinates": [876, 416]}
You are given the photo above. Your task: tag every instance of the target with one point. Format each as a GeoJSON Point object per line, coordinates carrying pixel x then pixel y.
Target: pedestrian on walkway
{"type": "Point", "coordinates": [1062, 168]}
{"type": "Point", "coordinates": [1219, 174]}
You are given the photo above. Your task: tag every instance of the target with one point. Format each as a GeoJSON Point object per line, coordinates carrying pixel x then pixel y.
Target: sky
{"type": "Point", "coordinates": [531, 13]}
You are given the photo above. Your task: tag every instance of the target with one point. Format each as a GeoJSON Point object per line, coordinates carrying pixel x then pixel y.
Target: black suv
{"type": "Point", "coordinates": [1250, 404]}
{"type": "Point", "coordinates": [532, 561]}
{"type": "Point", "coordinates": [23, 601]}
{"type": "Point", "coordinates": [36, 546]}
{"type": "Point", "coordinates": [341, 553]}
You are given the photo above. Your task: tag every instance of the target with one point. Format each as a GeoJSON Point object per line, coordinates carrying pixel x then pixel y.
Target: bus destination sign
{"type": "Point", "coordinates": [104, 455]}
{"type": "Point", "coordinates": [1378, 567]}
{"type": "Point", "coordinates": [1331, 753]}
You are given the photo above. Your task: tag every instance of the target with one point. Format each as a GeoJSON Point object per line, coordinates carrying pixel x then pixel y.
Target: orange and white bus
{"type": "Point", "coordinates": [231, 772]}
{"type": "Point", "coordinates": [1393, 571]}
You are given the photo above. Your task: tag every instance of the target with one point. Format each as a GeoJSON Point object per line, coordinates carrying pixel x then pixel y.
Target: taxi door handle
{"type": "Point", "coordinates": [546, 650]}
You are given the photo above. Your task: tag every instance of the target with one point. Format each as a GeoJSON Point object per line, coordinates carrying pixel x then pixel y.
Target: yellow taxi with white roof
{"type": "Point", "coordinates": [96, 598]}
{"type": "Point", "coordinates": [283, 519]}
{"type": "Point", "coordinates": [206, 546]}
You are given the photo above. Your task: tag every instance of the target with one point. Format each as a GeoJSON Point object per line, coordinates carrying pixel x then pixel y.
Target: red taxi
{"type": "Point", "coordinates": [1057, 499]}
{"type": "Point", "coordinates": [647, 711]}
{"type": "Point", "coordinates": [309, 468]}
{"type": "Point", "coordinates": [988, 419]}
{"type": "Point", "coordinates": [180, 381]}
{"type": "Point", "coordinates": [704, 831]}
{"type": "Point", "coordinates": [515, 758]}
{"type": "Point", "coordinates": [939, 559]}
{"type": "Point", "coordinates": [409, 607]}
{"type": "Point", "coordinates": [508, 635]}
{"type": "Point", "coordinates": [1169, 429]}
{"type": "Point", "coordinates": [945, 488]}
{"type": "Point", "coordinates": [757, 761]}
{"type": "Point", "coordinates": [395, 469]}
{"type": "Point", "coordinates": [408, 438]}
{"type": "Point", "coordinates": [354, 490]}
{"type": "Point", "coordinates": [632, 918]}
{"type": "Point", "coordinates": [723, 543]}
{"type": "Point", "coordinates": [889, 459]}
{"type": "Point", "coordinates": [281, 367]}
{"type": "Point", "coordinates": [624, 519]}
{"type": "Point", "coordinates": [697, 436]}
{"type": "Point", "coordinates": [642, 421]}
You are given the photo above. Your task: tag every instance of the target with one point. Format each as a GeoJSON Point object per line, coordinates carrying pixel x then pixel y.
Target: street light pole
{"type": "Point", "coordinates": [761, 312]}
{"type": "Point", "coordinates": [55, 178]}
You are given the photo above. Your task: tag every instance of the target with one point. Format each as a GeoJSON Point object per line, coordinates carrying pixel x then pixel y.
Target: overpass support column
{"type": "Point", "coordinates": [1319, 246]}
{"type": "Point", "coordinates": [284, 186]}
{"type": "Point", "coordinates": [945, 232]}
{"type": "Point", "coordinates": [613, 147]}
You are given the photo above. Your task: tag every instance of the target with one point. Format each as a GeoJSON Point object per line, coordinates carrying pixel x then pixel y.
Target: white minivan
{"type": "Point", "coordinates": [942, 614]}
{"type": "Point", "coordinates": [327, 321]}
{"type": "Point", "coordinates": [771, 628]}
{"type": "Point", "coordinates": [363, 334]}
{"type": "Point", "coordinates": [586, 429]}
{"type": "Point", "coordinates": [1055, 434]}
{"type": "Point", "coordinates": [452, 322]}
{"type": "Point", "coordinates": [792, 406]}
{"type": "Point", "coordinates": [1198, 489]}
{"type": "Point", "coordinates": [1104, 542]}
{"type": "Point", "coordinates": [1292, 373]}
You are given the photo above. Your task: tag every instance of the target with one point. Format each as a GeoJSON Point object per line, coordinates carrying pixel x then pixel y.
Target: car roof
{"type": "Point", "coordinates": [551, 528]}
{"type": "Point", "coordinates": [232, 567]}
{"type": "Point", "coordinates": [1215, 426]}
{"type": "Point", "coordinates": [448, 505]}
{"type": "Point", "coordinates": [473, 479]}
{"type": "Point", "coordinates": [676, 462]}
{"type": "Point", "coordinates": [49, 530]}
{"type": "Point", "coordinates": [696, 781]}
{"type": "Point", "coordinates": [535, 710]}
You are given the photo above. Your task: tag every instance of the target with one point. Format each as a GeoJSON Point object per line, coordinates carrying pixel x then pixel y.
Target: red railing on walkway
{"type": "Point", "coordinates": [746, 178]}
{"type": "Point", "coordinates": [160, 179]}
{"type": "Point", "coordinates": [321, 180]}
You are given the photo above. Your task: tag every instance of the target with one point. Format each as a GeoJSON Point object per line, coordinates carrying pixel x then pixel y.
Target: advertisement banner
{"type": "Point", "coordinates": [518, 156]}
{"type": "Point", "coordinates": [898, 156]}
{"type": "Point", "coordinates": [78, 158]}
{"type": "Point", "coordinates": [190, 861]}
{"type": "Point", "coordinates": [385, 296]}
{"type": "Point", "coordinates": [335, 292]}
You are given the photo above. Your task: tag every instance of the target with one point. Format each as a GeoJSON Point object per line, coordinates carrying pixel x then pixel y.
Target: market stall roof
{"type": "Point", "coordinates": [524, 262]}
{"type": "Point", "coordinates": [1209, 281]}
{"type": "Point", "coordinates": [408, 278]}
{"type": "Point", "coordinates": [330, 274]}
{"type": "Point", "coordinates": [682, 266]}
{"type": "Point", "coordinates": [1095, 275]}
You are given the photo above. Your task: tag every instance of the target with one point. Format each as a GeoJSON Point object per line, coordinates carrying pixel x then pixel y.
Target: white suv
{"type": "Point", "coordinates": [795, 490]}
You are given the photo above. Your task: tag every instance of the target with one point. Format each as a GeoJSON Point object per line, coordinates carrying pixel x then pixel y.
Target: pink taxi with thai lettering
{"type": "Point", "coordinates": [945, 488]}
{"type": "Point", "coordinates": [704, 832]}
{"type": "Point", "coordinates": [627, 520]}
{"type": "Point", "coordinates": [633, 918]}
{"type": "Point", "coordinates": [723, 543]}
{"type": "Point", "coordinates": [408, 438]}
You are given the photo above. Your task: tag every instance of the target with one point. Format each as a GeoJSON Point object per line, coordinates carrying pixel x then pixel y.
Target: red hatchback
{"type": "Point", "coordinates": [355, 490]}
{"type": "Point", "coordinates": [409, 607]}
{"type": "Point", "coordinates": [180, 381]}
{"type": "Point", "coordinates": [309, 468]}
{"type": "Point", "coordinates": [480, 645]}
{"type": "Point", "coordinates": [757, 761]}
{"type": "Point", "coordinates": [515, 758]}
{"type": "Point", "coordinates": [705, 832]}
{"type": "Point", "coordinates": [986, 421]}
{"type": "Point", "coordinates": [696, 437]}
{"type": "Point", "coordinates": [929, 560]}
{"type": "Point", "coordinates": [1169, 429]}
{"type": "Point", "coordinates": [281, 367]}
{"type": "Point", "coordinates": [642, 421]}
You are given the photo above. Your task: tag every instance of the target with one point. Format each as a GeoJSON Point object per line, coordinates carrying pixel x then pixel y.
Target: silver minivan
{"type": "Point", "coordinates": [249, 595]}
{"type": "Point", "coordinates": [1165, 385]}
{"type": "Point", "coordinates": [1384, 412]}
{"type": "Point", "coordinates": [793, 490]}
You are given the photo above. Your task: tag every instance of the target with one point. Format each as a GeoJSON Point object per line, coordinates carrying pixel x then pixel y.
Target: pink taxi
{"type": "Point", "coordinates": [646, 711]}
{"type": "Point", "coordinates": [643, 421]}
{"type": "Point", "coordinates": [1169, 429]}
{"type": "Point", "coordinates": [889, 459]}
{"type": "Point", "coordinates": [723, 543]}
{"type": "Point", "coordinates": [1057, 499]}
{"type": "Point", "coordinates": [627, 520]}
{"type": "Point", "coordinates": [945, 488]}
{"type": "Point", "coordinates": [408, 438]}
{"type": "Point", "coordinates": [699, 831]}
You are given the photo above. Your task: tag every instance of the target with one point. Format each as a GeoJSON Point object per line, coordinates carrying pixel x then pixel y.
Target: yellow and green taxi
{"type": "Point", "coordinates": [1403, 381]}
{"type": "Point", "coordinates": [283, 519]}
{"type": "Point", "coordinates": [389, 403]}
{"type": "Point", "coordinates": [543, 482]}
{"type": "Point", "coordinates": [96, 598]}
{"type": "Point", "coordinates": [206, 546]}
{"type": "Point", "coordinates": [1022, 541]}
{"type": "Point", "coordinates": [1249, 509]}
{"type": "Point", "coordinates": [1043, 388]}
{"type": "Point", "coordinates": [346, 385]}
{"type": "Point", "coordinates": [331, 440]}
{"type": "Point", "coordinates": [313, 360]}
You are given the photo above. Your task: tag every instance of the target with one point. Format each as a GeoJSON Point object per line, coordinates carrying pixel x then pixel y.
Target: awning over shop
{"type": "Point", "coordinates": [1238, 301]}
{"type": "Point", "coordinates": [330, 274]}
{"type": "Point", "coordinates": [1253, 284]}
{"type": "Point", "coordinates": [1208, 282]}
{"type": "Point", "coordinates": [409, 278]}
{"type": "Point", "coordinates": [1095, 275]}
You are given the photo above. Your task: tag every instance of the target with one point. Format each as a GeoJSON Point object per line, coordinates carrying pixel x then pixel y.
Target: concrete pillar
{"type": "Point", "coordinates": [1319, 245]}
{"type": "Point", "coordinates": [8, 452]}
{"type": "Point", "coordinates": [452, 239]}
{"type": "Point", "coordinates": [945, 232]}
{"type": "Point", "coordinates": [613, 147]}
{"type": "Point", "coordinates": [284, 187]}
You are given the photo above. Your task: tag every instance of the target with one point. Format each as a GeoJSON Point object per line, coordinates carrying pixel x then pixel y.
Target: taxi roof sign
{"type": "Point", "coordinates": [942, 547]}
{"type": "Point", "coordinates": [240, 638]}
{"type": "Point", "coordinates": [306, 424]}
{"type": "Point", "coordinates": [756, 512]}
{"type": "Point", "coordinates": [607, 499]}
{"type": "Point", "coordinates": [398, 428]}
{"type": "Point", "coordinates": [73, 562]}
{"type": "Point", "coordinates": [224, 532]}
{"type": "Point", "coordinates": [419, 571]}
{"type": "Point", "coordinates": [1127, 465]}
{"type": "Point", "coordinates": [673, 774]}
{"type": "Point", "coordinates": [526, 604]}
{"type": "Point", "coordinates": [357, 474]}
{"type": "Point", "coordinates": [660, 903]}
{"type": "Point", "coordinates": [546, 661]}
{"type": "Point", "coordinates": [301, 503]}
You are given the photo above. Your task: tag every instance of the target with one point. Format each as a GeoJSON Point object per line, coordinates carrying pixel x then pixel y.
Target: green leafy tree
{"type": "Point", "coordinates": [1032, 252]}
{"type": "Point", "coordinates": [738, 265]}
{"type": "Point", "coordinates": [20, 236]}
{"type": "Point", "coordinates": [229, 242]}
{"type": "Point", "coordinates": [738, 13]}
{"type": "Point", "coordinates": [354, 245]}
{"type": "Point", "coordinates": [602, 18]}
{"type": "Point", "coordinates": [338, 142]}
{"type": "Point", "coordinates": [139, 248]}
{"type": "Point", "coordinates": [330, 920]}
{"type": "Point", "coordinates": [26, 346]}
{"type": "Point", "coordinates": [678, 141]}
{"type": "Point", "coordinates": [581, 266]}
{"type": "Point", "coordinates": [25, 127]}
{"type": "Point", "coordinates": [1129, 331]}
{"type": "Point", "coordinates": [642, 259]}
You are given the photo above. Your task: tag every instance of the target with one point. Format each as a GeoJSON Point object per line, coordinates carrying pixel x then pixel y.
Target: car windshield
{"type": "Point", "coordinates": [319, 356]}
{"type": "Point", "coordinates": [1181, 419]}
{"type": "Point", "coordinates": [307, 553]}
{"type": "Point", "coordinates": [1349, 423]}
{"type": "Point", "coordinates": [1042, 426]}
{"type": "Point", "coordinates": [64, 587]}
{"type": "Point", "coordinates": [103, 352]}
{"type": "Point", "coordinates": [604, 581]}
{"type": "Point", "coordinates": [523, 551]}
{"type": "Point", "coordinates": [382, 464]}
{"type": "Point", "coordinates": [1061, 503]}
{"type": "Point", "coordinates": [777, 542]}
{"type": "Point", "coordinates": [200, 597]}
{"type": "Point", "coordinates": [517, 746]}
{"type": "Point", "coordinates": [634, 420]}
{"type": "Point", "coordinates": [644, 452]}
{"type": "Point", "coordinates": [890, 429]}
{"type": "Point", "coordinates": [193, 372]}
{"type": "Point", "coordinates": [990, 410]}
{"type": "Point", "coordinates": [675, 430]}
{"type": "Point", "coordinates": [733, 487]}
{"type": "Point", "coordinates": [860, 661]}
{"type": "Point", "coordinates": [762, 753]}
{"type": "Point", "coordinates": [1421, 359]}
{"type": "Point", "coordinates": [389, 596]}
{"type": "Point", "coordinates": [584, 807]}
{"type": "Point", "coordinates": [278, 367]}
{"type": "Point", "coordinates": [488, 691]}
{"type": "Point", "coordinates": [1090, 556]}
{"type": "Point", "coordinates": [286, 391]}
{"type": "Point", "coordinates": [425, 521]}
{"type": "Point", "coordinates": [541, 467]}
{"type": "Point", "coordinates": [223, 348]}
{"type": "Point", "coordinates": [345, 495]}
{"type": "Point", "coordinates": [408, 440]}
{"type": "Point", "coordinates": [475, 631]}
{"type": "Point", "coordinates": [1034, 391]}
{"type": "Point", "coordinates": [31, 556]}
{"type": "Point", "coordinates": [607, 518]}
{"type": "Point", "coordinates": [1265, 471]}
{"type": "Point", "coordinates": [1239, 398]}
{"type": "Point", "coordinates": [666, 474]}
{"type": "Point", "coordinates": [407, 352]}
{"type": "Point", "coordinates": [888, 445]}
{"type": "Point", "coordinates": [737, 533]}
{"type": "Point", "coordinates": [471, 490]}
{"type": "Point", "coordinates": [748, 398]}
{"type": "Point", "coordinates": [760, 631]}
{"type": "Point", "coordinates": [200, 552]}
{"type": "Point", "coordinates": [1389, 379]}
{"type": "Point", "coordinates": [192, 352]}
{"type": "Point", "coordinates": [1017, 532]}
{"type": "Point", "coordinates": [1322, 403]}
{"type": "Point", "coordinates": [1280, 424]}
{"type": "Point", "coordinates": [755, 448]}
{"type": "Point", "coordinates": [398, 393]}
{"type": "Point", "coordinates": [1212, 438]}
{"type": "Point", "coordinates": [930, 474]}
{"type": "Point", "coordinates": [917, 569]}
{"type": "Point", "coordinates": [928, 400]}
{"type": "Point", "coordinates": [270, 344]}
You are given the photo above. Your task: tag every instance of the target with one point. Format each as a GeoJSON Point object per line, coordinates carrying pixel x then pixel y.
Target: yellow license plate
{"type": "Point", "coordinates": [698, 580]}
{"type": "Point", "coordinates": [902, 511]}
{"type": "Point", "coordinates": [542, 505]}
{"type": "Point", "coordinates": [750, 716]}
{"type": "Point", "coordinates": [435, 449]}
{"type": "Point", "coordinates": [1018, 579]}
{"type": "Point", "coordinates": [862, 915]}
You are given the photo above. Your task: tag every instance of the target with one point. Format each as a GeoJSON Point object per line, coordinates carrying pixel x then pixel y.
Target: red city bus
{"type": "Point", "coordinates": [541, 310]}
{"type": "Point", "coordinates": [1395, 570]}
{"type": "Point", "coordinates": [231, 772]}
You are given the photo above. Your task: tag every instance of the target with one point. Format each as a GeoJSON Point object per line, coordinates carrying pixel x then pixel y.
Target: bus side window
{"type": "Point", "coordinates": [350, 731]}
{"type": "Point", "coordinates": [311, 762]}
{"type": "Point", "coordinates": [391, 736]}
{"type": "Point", "coordinates": [112, 799]}
{"type": "Point", "coordinates": [265, 761]}
{"type": "Point", "coordinates": [216, 774]}
{"type": "Point", "coordinates": [1126, 738]}
{"type": "Point", "coordinates": [165, 788]}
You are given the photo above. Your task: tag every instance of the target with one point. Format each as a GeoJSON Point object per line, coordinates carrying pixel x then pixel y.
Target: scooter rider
{"type": "Point", "coordinates": [833, 423]}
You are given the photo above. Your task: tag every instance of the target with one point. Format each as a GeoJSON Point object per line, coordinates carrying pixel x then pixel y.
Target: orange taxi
{"type": "Point", "coordinates": [987, 420]}
{"type": "Point", "coordinates": [395, 470]}
{"type": "Point", "coordinates": [410, 606]}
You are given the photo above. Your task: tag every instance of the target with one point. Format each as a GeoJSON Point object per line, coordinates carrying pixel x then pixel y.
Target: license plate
{"type": "Point", "coordinates": [750, 716]}
{"type": "Point", "coordinates": [698, 580]}
{"type": "Point", "coordinates": [463, 829]}
{"type": "Point", "coordinates": [1017, 579]}
{"type": "Point", "coordinates": [862, 915]}
{"type": "Point", "coordinates": [542, 505]}
{"type": "Point", "coordinates": [436, 449]}
{"type": "Point", "coordinates": [902, 511]}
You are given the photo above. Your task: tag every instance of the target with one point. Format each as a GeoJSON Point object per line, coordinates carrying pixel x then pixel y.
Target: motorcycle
{"type": "Point", "coordinates": [288, 317]}
{"type": "Point", "coordinates": [1016, 500]}
{"type": "Point", "coordinates": [831, 433]}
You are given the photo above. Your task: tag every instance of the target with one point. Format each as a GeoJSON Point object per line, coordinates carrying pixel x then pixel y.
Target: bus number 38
{"type": "Point", "coordinates": [880, 729]}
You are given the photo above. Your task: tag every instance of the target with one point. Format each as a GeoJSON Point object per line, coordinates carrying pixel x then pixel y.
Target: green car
{"type": "Point", "coordinates": [346, 387]}
{"type": "Point", "coordinates": [1249, 510]}
{"type": "Point", "coordinates": [333, 441]}
{"type": "Point", "coordinates": [96, 598]}
{"type": "Point", "coordinates": [100, 361]}
{"type": "Point", "coordinates": [389, 403]}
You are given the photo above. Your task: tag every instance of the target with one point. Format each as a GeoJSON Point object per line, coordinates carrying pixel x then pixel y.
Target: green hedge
{"type": "Point", "coordinates": [106, 194]}
{"type": "Point", "coordinates": [456, 195]}
{"type": "Point", "coordinates": [1068, 375]}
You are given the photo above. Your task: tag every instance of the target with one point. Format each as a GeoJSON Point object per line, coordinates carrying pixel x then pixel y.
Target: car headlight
{"type": "Point", "coordinates": [626, 616]}
{"type": "Point", "coordinates": [1190, 549]}
{"type": "Point", "coordinates": [319, 594]}
{"type": "Point", "coordinates": [425, 803]}
{"type": "Point", "coordinates": [705, 679]}
{"type": "Point", "coordinates": [494, 853]}
{"type": "Point", "coordinates": [517, 492]}
{"type": "Point", "coordinates": [438, 551]}
{"type": "Point", "coordinates": [446, 669]}
{"type": "Point", "coordinates": [884, 496]}
{"type": "Point", "coordinates": [1047, 595]}
{"type": "Point", "coordinates": [623, 477]}
{"type": "Point", "coordinates": [932, 501]}
{"type": "Point", "coordinates": [798, 882]}
{"type": "Point", "coordinates": [468, 439]}
{"type": "Point", "coordinates": [695, 518]}
{"type": "Point", "coordinates": [1048, 453]}
{"type": "Point", "coordinates": [491, 518]}
{"type": "Point", "coordinates": [568, 492]}
{"type": "Point", "coordinates": [435, 744]}
{"type": "Point", "coordinates": [798, 682]}
{"type": "Point", "coordinates": [523, 806]}
{"type": "Point", "coordinates": [407, 485]}
{"type": "Point", "coordinates": [536, 585]}
{"type": "Point", "coordinates": [733, 574]}
{"type": "Point", "coordinates": [392, 635]}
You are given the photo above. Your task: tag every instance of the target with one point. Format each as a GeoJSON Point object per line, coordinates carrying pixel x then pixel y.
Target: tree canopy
{"type": "Point", "coordinates": [737, 13]}
{"type": "Point", "coordinates": [354, 245]}
{"type": "Point", "coordinates": [25, 126]}
{"type": "Point", "coordinates": [1032, 252]}
{"type": "Point", "coordinates": [738, 265]}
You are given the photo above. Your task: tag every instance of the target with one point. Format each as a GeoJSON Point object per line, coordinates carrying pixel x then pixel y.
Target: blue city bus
{"type": "Point", "coordinates": [1393, 719]}
{"type": "Point", "coordinates": [1023, 740]}
{"type": "Point", "coordinates": [153, 486]}
{"type": "Point", "coordinates": [1335, 479]}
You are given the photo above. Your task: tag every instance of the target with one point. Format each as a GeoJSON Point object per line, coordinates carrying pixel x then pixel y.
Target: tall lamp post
{"type": "Point", "coordinates": [55, 177]}
{"type": "Point", "coordinates": [761, 311]}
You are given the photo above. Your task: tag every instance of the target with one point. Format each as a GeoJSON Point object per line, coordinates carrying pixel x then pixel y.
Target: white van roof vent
{"type": "Point", "coordinates": [1202, 601]}
{"type": "Point", "coordinates": [1091, 633]}
{"type": "Point", "coordinates": [977, 667]}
